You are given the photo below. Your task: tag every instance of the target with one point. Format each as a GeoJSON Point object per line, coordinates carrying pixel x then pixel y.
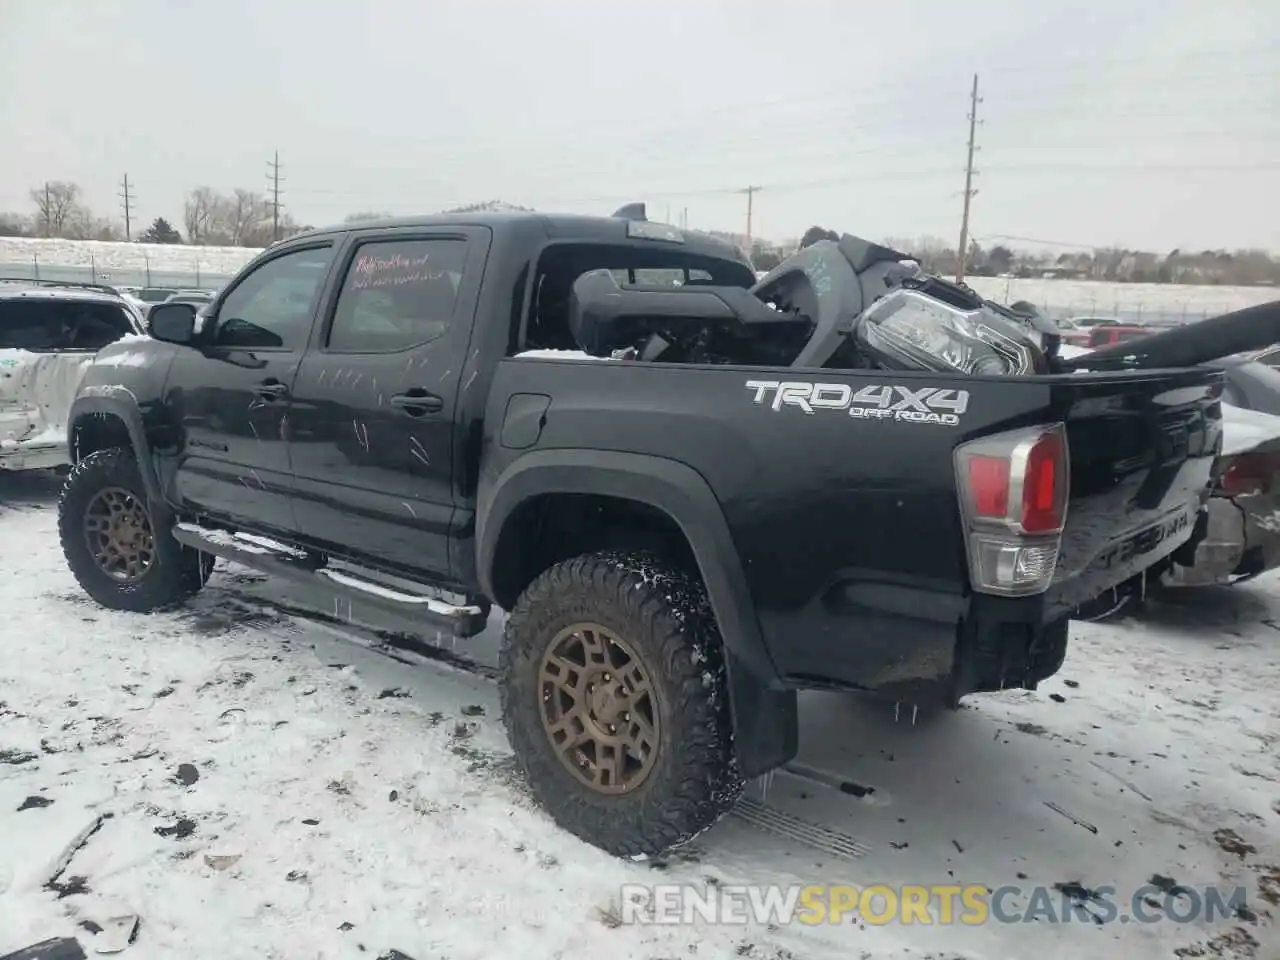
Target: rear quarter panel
{"type": "Point", "coordinates": [847, 528]}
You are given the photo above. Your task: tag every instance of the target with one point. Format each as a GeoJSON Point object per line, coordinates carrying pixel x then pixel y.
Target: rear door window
{"type": "Point", "coordinates": [398, 294]}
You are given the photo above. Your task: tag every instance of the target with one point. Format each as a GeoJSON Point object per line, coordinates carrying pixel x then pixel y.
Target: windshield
{"type": "Point", "coordinates": [155, 294]}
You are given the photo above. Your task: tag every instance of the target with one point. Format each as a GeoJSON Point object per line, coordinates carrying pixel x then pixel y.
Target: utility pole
{"type": "Point", "coordinates": [48, 211]}
{"type": "Point", "coordinates": [127, 199]}
{"type": "Point", "coordinates": [750, 191]}
{"type": "Point", "coordinates": [962, 254]}
{"type": "Point", "coordinates": [274, 165]}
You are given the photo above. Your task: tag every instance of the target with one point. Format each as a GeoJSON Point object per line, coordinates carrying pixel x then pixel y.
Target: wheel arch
{"type": "Point", "coordinates": [762, 708]}
{"type": "Point", "coordinates": [111, 418]}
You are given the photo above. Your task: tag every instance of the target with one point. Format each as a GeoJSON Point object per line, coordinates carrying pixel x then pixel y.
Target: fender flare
{"type": "Point", "coordinates": [118, 402]}
{"type": "Point", "coordinates": [763, 709]}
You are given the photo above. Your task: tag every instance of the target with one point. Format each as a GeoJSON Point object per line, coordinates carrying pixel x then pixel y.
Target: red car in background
{"type": "Point", "coordinates": [1103, 336]}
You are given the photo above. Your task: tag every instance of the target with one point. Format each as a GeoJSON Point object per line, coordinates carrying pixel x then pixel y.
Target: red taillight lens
{"type": "Point", "coordinates": [1251, 473]}
{"type": "Point", "coordinates": [1042, 506]}
{"type": "Point", "coordinates": [1032, 463]}
{"type": "Point", "coordinates": [989, 486]}
{"type": "Point", "coordinates": [1013, 499]}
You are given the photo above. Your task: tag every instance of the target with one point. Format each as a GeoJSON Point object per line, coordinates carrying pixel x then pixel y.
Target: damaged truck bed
{"type": "Point", "coordinates": [49, 334]}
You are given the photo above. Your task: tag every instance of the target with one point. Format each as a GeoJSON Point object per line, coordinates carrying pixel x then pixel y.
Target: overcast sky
{"type": "Point", "coordinates": [1146, 124]}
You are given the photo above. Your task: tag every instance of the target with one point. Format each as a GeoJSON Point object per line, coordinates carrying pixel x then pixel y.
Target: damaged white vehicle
{"type": "Point", "coordinates": [49, 333]}
{"type": "Point", "coordinates": [1243, 538]}
{"type": "Point", "coordinates": [1243, 535]}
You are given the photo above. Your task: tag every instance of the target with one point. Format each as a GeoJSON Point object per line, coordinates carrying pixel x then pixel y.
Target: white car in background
{"type": "Point", "coordinates": [49, 332]}
{"type": "Point", "coordinates": [1243, 536]}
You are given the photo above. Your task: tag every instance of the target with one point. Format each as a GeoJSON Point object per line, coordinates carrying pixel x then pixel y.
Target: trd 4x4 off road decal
{"type": "Point", "coordinates": [875, 402]}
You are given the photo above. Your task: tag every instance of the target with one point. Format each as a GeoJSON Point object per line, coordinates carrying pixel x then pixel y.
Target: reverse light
{"type": "Point", "coordinates": [1013, 499]}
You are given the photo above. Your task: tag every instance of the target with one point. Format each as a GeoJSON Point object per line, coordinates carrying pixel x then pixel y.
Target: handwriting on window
{"type": "Point", "coordinates": [393, 270]}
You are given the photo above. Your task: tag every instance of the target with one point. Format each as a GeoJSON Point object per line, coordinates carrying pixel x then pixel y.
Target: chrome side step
{"type": "Point", "coordinates": [278, 559]}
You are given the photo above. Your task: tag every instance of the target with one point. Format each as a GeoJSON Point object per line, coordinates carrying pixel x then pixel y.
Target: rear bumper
{"type": "Point", "coordinates": [1242, 539]}
{"type": "Point", "coordinates": [1123, 558]}
{"type": "Point", "coordinates": [918, 645]}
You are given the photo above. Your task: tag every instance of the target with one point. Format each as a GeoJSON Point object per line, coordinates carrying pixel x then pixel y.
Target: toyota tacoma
{"type": "Point", "coordinates": [693, 492]}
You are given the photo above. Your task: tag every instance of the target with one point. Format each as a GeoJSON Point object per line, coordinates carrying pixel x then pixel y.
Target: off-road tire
{"type": "Point", "coordinates": [664, 615]}
{"type": "Point", "coordinates": [177, 572]}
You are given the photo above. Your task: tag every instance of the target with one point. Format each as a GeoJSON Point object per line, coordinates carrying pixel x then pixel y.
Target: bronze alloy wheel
{"type": "Point", "coordinates": [117, 529]}
{"type": "Point", "coordinates": [599, 708]}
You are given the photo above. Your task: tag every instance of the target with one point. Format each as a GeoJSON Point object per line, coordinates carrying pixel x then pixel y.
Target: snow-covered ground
{"type": "Point", "coordinates": [269, 784]}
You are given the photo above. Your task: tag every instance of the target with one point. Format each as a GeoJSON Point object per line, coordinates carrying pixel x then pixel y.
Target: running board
{"type": "Point", "coordinates": [277, 559]}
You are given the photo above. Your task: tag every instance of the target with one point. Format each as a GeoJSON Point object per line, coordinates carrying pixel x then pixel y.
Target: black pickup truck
{"type": "Point", "coordinates": [689, 499]}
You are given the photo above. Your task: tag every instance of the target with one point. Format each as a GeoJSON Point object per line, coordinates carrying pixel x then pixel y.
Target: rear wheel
{"type": "Point", "coordinates": [613, 697]}
{"type": "Point", "coordinates": [120, 553]}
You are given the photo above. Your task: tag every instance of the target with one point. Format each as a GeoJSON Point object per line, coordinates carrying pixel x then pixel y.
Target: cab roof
{"type": "Point", "coordinates": [556, 226]}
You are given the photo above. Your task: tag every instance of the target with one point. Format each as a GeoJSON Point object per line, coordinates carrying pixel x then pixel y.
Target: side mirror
{"type": "Point", "coordinates": [173, 322]}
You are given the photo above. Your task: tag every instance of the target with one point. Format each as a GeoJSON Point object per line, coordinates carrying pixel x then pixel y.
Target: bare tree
{"type": "Point", "coordinates": [244, 213]}
{"type": "Point", "coordinates": [200, 213]}
{"type": "Point", "coordinates": [57, 206]}
{"type": "Point", "coordinates": [262, 234]}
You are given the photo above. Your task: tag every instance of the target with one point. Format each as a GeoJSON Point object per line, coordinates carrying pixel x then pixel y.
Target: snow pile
{"type": "Point", "coordinates": [1128, 300]}
{"type": "Point", "coordinates": [106, 257]}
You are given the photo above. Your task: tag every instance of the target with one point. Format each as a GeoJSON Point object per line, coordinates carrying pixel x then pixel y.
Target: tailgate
{"type": "Point", "coordinates": [1141, 449]}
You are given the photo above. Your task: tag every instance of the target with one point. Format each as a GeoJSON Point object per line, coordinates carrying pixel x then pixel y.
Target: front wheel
{"type": "Point", "coordinates": [613, 696]}
{"type": "Point", "coordinates": [121, 555]}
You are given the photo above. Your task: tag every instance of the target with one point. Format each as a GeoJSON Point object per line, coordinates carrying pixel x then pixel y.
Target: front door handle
{"type": "Point", "coordinates": [417, 402]}
{"type": "Point", "coordinates": [272, 390]}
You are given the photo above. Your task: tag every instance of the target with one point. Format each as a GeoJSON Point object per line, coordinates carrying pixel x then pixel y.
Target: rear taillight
{"type": "Point", "coordinates": [1013, 499]}
{"type": "Point", "coordinates": [1251, 473]}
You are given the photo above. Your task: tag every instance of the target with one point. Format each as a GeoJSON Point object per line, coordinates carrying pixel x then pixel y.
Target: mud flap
{"type": "Point", "coordinates": [994, 656]}
{"type": "Point", "coordinates": [766, 728]}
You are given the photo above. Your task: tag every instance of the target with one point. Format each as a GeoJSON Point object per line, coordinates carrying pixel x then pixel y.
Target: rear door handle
{"type": "Point", "coordinates": [417, 402]}
{"type": "Point", "coordinates": [272, 390]}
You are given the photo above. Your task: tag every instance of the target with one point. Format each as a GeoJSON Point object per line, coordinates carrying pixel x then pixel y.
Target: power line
{"type": "Point", "coordinates": [274, 178]}
{"type": "Point", "coordinates": [127, 200]}
{"type": "Point", "coordinates": [963, 250]}
{"type": "Point", "coordinates": [1043, 243]}
{"type": "Point", "coordinates": [1165, 103]}
{"type": "Point", "coordinates": [898, 175]}
{"type": "Point", "coordinates": [756, 150]}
